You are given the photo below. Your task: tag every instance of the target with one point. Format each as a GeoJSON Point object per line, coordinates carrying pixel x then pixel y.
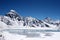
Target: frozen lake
{"type": "Point", "coordinates": [32, 32]}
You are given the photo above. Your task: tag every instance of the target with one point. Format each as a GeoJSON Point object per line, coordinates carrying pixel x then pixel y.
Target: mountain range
{"type": "Point", "coordinates": [13, 20]}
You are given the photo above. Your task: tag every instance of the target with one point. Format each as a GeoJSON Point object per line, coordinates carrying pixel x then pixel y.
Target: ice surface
{"type": "Point", "coordinates": [10, 36]}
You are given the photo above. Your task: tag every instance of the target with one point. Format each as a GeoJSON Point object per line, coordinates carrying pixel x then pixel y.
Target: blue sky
{"type": "Point", "coordinates": [35, 8]}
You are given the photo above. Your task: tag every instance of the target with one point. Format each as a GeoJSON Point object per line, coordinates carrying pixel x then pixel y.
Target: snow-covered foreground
{"type": "Point", "coordinates": [11, 36]}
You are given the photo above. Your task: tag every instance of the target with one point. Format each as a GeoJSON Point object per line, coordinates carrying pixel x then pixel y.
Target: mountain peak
{"type": "Point", "coordinates": [12, 14]}
{"type": "Point", "coordinates": [12, 10]}
{"type": "Point", "coordinates": [47, 18]}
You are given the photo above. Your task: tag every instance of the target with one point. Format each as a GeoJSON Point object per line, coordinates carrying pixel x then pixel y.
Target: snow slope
{"type": "Point", "coordinates": [11, 36]}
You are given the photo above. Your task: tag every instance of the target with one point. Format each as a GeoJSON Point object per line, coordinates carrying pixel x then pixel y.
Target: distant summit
{"type": "Point", "coordinates": [14, 15]}
{"type": "Point", "coordinates": [12, 10]}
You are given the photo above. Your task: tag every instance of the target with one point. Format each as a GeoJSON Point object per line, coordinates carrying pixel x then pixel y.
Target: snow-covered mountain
{"type": "Point", "coordinates": [13, 20]}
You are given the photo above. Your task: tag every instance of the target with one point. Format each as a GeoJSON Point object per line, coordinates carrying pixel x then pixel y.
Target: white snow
{"type": "Point", "coordinates": [15, 24]}
{"type": "Point", "coordinates": [3, 26]}
{"type": "Point", "coordinates": [51, 26]}
{"type": "Point", "coordinates": [25, 22]}
{"type": "Point", "coordinates": [12, 10]}
{"type": "Point", "coordinates": [10, 36]}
